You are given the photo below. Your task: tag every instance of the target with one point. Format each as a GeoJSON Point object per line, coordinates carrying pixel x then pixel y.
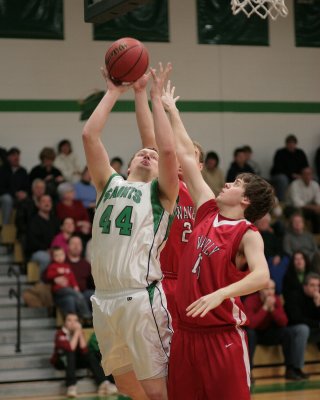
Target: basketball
{"type": "Point", "coordinates": [127, 60]}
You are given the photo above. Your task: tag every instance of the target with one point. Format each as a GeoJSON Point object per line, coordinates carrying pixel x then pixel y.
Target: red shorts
{"type": "Point", "coordinates": [209, 364]}
{"type": "Point", "coordinates": [169, 286]}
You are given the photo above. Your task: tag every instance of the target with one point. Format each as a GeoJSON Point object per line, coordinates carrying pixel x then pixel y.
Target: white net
{"type": "Point", "coordinates": [264, 8]}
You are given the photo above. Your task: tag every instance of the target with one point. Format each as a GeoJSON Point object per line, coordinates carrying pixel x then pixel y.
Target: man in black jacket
{"type": "Point", "coordinates": [14, 184]}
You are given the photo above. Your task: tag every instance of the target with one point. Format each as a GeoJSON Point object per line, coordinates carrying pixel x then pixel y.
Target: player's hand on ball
{"type": "Point", "coordinates": [206, 303]}
{"type": "Point", "coordinates": [113, 86]}
{"type": "Point", "coordinates": [168, 99]}
{"type": "Point", "coordinates": [141, 83]}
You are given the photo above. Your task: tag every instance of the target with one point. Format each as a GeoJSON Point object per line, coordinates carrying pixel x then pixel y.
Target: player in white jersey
{"type": "Point", "coordinates": [131, 223]}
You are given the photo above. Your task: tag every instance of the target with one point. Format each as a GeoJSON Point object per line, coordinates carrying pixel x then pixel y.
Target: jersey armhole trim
{"type": "Point", "coordinates": [105, 188]}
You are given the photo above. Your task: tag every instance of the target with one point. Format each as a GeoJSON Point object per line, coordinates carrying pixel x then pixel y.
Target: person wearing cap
{"type": "Point", "coordinates": [14, 184]}
{"type": "Point", "coordinates": [287, 164]}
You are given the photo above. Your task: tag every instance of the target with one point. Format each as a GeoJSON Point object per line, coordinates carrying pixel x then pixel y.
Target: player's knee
{"type": "Point", "coordinates": [156, 394]}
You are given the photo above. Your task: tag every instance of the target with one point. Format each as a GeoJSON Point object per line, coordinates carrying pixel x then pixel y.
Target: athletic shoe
{"type": "Point", "coordinates": [300, 373]}
{"type": "Point", "coordinates": [107, 388]}
{"type": "Point", "coordinates": [292, 375]}
{"type": "Point", "coordinates": [72, 391]}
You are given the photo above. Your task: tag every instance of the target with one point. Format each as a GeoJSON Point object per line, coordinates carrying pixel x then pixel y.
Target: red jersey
{"type": "Point", "coordinates": [54, 270]}
{"type": "Point", "coordinates": [210, 257]}
{"type": "Point", "coordinates": [179, 234]}
{"type": "Point", "coordinates": [62, 344]}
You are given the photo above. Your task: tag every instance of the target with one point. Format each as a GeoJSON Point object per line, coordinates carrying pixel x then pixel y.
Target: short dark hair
{"type": "Point", "coordinates": [13, 150]}
{"type": "Point", "coordinates": [47, 153]}
{"type": "Point", "coordinates": [117, 159]}
{"type": "Point", "coordinates": [212, 155]}
{"type": "Point", "coordinates": [309, 276]}
{"type": "Point", "coordinates": [261, 196]}
{"type": "Point", "coordinates": [62, 143]}
{"type": "Point", "coordinates": [291, 139]}
{"type": "Point", "coordinates": [238, 150]}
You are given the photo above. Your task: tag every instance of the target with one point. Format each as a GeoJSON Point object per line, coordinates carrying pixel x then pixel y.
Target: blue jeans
{"type": "Point", "coordinates": [6, 204]}
{"type": "Point", "coordinates": [71, 301]}
{"type": "Point", "coordinates": [280, 182]}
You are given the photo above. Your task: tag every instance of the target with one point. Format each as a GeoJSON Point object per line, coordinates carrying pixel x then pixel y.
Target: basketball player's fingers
{"type": "Point", "coordinates": [176, 99]}
{"type": "Point", "coordinates": [160, 67]}
{"type": "Point", "coordinates": [192, 305]}
{"type": "Point", "coordinates": [173, 90]}
{"type": "Point", "coordinates": [104, 72]}
{"type": "Point", "coordinates": [153, 73]}
{"type": "Point", "coordinates": [168, 86]}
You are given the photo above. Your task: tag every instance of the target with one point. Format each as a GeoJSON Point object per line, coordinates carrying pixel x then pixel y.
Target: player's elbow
{"type": "Point", "coordinates": [264, 277]}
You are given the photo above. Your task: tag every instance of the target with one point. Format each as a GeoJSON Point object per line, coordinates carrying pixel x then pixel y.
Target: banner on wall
{"type": "Point", "coordinates": [31, 19]}
{"type": "Point", "coordinates": [217, 25]}
{"type": "Point", "coordinates": [307, 23]}
{"type": "Point", "coordinates": [148, 23]}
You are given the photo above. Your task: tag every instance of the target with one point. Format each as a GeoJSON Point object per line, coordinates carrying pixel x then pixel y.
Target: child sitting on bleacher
{"type": "Point", "coordinates": [71, 352]}
{"type": "Point", "coordinates": [65, 290]}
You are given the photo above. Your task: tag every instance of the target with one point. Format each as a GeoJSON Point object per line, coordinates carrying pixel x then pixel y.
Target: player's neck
{"type": "Point", "coordinates": [142, 176]}
{"type": "Point", "coordinates": [233, 212]}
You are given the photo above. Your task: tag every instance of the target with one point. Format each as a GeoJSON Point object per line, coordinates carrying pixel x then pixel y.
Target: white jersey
{"type": "Point", "coordinates": [130, 227]}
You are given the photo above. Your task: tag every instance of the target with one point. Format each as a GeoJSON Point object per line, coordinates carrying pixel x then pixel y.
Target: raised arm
{"type": "Point", "coordinates": [199, 190]}
{"type": "Point", "coordinates": [167, 165]}
{"type": "Point", "coordinates": [143, 112]}
{"type": "Point", "coordinates": [96, 154]}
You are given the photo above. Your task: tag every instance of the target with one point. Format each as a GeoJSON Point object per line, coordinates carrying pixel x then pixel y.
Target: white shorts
{"type": "Point", "coordinates": [134, 331]}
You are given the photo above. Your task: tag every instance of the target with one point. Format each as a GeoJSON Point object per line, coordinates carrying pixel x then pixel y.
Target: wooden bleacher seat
{"type": "Point", "coordinates": [8, 235]}
{"type": "Point", "coordinates": [33, 271]}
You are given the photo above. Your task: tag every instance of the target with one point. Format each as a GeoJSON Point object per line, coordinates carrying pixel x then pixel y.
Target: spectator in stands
{"type": "Point", "coordinates": [249, 160]}
{"type": "Point", "coordinates": [303, 306]}
{"type": "Point", "coordinates": [3, 156]}
{"type": "Point", "coordinates": [297, 239]}
{"type": "Point", "coordinates": [14, 184]}
{"type": "Point", "coordinates": [69, 207]}
{"type": "Point", "coordinates": [66, 161]}
{"type": "Point", "coordinates": [268, 326]}
{"type": "Point", "coordinates": [67, 228]}
{"type": "Point", "coordinates": [304, 195]}
{"type": "Point", "coordinates": [27, 208]}
{"type": "Point", "coordinates": [277, 260]}
{"type": "Point", "coordinates": [71, 353]}
{"type": "Point", "coordinates": [80, 267]}
{"type": "Point", "coordinates": [86, 192]}
{"type": "Point", "coordinates": [65, 289]}
{"type": "Point", "coordinates": [239, 165]}
{"type": "Point", "coordinates": [211, 172]}
{"type": "Point", "coordinates": [317, 163]}
{"type": "Point", "coordinates": [42, 229]}
{"type": "Point", "coordinates": [117, 164]}
{"type": "Point", "coordinates": [47, 171]}
{"type": "Point", "coordinates": [287, 164]}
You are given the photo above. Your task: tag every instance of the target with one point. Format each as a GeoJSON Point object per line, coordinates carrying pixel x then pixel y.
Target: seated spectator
{"type": "Point", "coordinates": [239, 165]}
{"type": "Point", "coordinates": [62, 239]}
{"type": "Point", "coordinates": [86, 192]}
{"type": "Point", "coordinates": [71, 353]}
{"type": "Point", "coordinates": [65, 289]}
{"type": "Point", "coordinates": [14, 184]}
{"type": "Point", "coordinates": [117, 164]}
{"type": "Point", "coordinates": [297, 239]}
{"type": "Point", "coordinates": [80, 267]}
{"type": "Point", "coordinates": [211, 172]}
{"type": "Point", "coordinates": [287, 164]}
{"type": "Point", "coordinates": [42, 229]}
{"type": "Point", "coordinates": [303, 306]}
{"type": "Point", "coordinates": [93, 347]}
{"type": "Point", "coordinates": [268, 326]}
{"type": "Point", "coordinates": [304, 195]}
{"type": "Point", "coordinates": [27, 208]}
{"type": "Point", "coordinates": [66, 161]}
{"type": "Point", "coordinates": [3, 156]}
{"type": "Point", "coordinates": [277, 260]}
{"type": "Point", "coordinates": [69, 207]}
{"type": "Point", "coordinates": [46, 171]}
{"type": "Point", "coordinates": [298, 269]}
{"type": "Point", "coordinates": [249, 160]}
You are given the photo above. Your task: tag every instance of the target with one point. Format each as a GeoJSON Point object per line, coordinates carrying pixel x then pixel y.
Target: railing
{"type": "Point", "coordinates": [17, 294]}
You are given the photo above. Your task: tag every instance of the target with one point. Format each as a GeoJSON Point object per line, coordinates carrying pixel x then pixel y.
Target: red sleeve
{"type": "Point", "coordinates": [61, 341]}
{"type": "Point", "coordinates": [72, 280]}
{"type": "Point", "coordinates": [52, 272]}
{"type": "Point", "coordinates": [256, 314]}
{"type": "Point", "coordinates": [278, 314]}
{"type": "Point", "coordinates": [208, 208]}
{"type": "Point", "coordinates": [83, 213]}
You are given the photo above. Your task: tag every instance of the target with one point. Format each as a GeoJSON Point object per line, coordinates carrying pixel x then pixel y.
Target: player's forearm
{"type": "Point", "coordinates": [184, 145]}
{"type": "Point", "coordinates": [144, 119]}
{"type": "Point", "coordinates": [97, 121]}
{"type": "Point", "coordinates": [254, 281]}
{"type": "Point", "coordinates": [162, 128]}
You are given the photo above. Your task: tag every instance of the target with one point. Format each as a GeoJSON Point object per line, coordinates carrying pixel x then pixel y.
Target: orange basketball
{"type": "Point", "coordinates": [127, 60]}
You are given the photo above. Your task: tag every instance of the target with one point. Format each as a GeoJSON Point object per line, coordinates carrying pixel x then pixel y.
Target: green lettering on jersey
{"type": "Point", "coordinates": [123, 221]}
{"type": "Point", "coordinates": [115, 192]}
{"type": "Point", "coordinates": [105, 221]}
{"type": "Point", "coordinates": [137, 196]}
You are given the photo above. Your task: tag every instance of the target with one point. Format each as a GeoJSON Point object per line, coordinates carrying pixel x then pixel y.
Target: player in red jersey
{"type": "Point", "coordinates": [185, 212]}
{"type": "Point", "coordinates": [224, 259]}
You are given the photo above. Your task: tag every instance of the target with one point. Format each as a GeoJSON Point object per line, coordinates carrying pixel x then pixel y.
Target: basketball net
{"type": "Point", "coordinates": [263, 8]}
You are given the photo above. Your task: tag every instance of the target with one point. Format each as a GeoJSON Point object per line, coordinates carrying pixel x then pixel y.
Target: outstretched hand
{"type": "Point", "coordinates": [112, 86]}
{"type": "Point", "coordinates": [140, 84]}
{"type": "Point", "coordinates": [168, 99]}
{"type": "Point", "coordinates": [159, 78]}
{"type": "Point", "coordinates": [206, 303]}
